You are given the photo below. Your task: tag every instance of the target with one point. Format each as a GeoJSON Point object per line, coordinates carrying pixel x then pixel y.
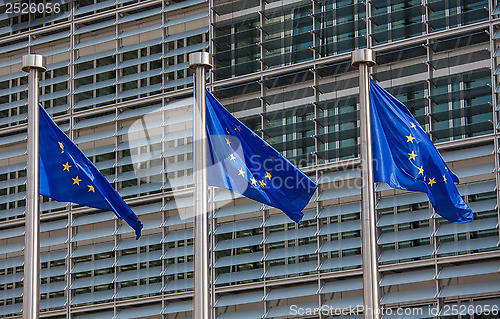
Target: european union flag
{"type": "Point", "coordinates": [241, 161]}
{"type": "Point", "coordinates": [67, 175]}
{"type": "Point", "coordinates": [405, 158]}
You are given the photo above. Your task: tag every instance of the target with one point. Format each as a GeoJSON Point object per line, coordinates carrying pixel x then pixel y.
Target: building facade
{"type": "Point", "coordinates": [118, 83]}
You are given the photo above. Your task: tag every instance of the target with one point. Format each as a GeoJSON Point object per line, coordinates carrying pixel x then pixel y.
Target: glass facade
{"type": "Point", "coordinates": [118, 84]}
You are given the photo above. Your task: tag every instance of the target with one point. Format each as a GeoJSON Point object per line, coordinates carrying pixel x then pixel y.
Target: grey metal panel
{"type": "Point", "coordinates": [291, 234]}
{"type": "Point", "coordinates": [94, 71]}
{"type": "Point", "coordinates": [492, 286]}
{"type": "Point", "coordinates": [94, 56]}
{"type": "Point", "coordinates": [287, 252]}
{"type": "Point", "coordinates": [92, 265]}
{"type": "Point", "coordinates": [92, 297]}
{"type": "Point", "coordinates": [94, 26]}
{"type": "Point", "coordinates": [470, 270]}
{"type": "Point", "coordinates": [343, 244]}
{"type": "Point", "coordinates": [139, 258]}
{"type": "Point", "coordinates": [477, 225]}
{"type": "Point", "coordinates": [93, 218]}
{"type": "Point", "coordinates": [239, 298]}
{"type": "Point", "coordinates": [339, 193]}
{"type": "Point", "coordinates": [180, 306]}
{"type": "Point", "coordinates": [140, 30]}
{"type": "Point", "coordinates": [237, 210]}
{"type": "Point", "coordinates": [143, 311]}
{"type": "Point", "coordinates": [407, 277]}
{"type": "Point", "coordinates": [400, 200]}
{"type": "Point", "coordinates": [91, 234]}
{"type": "Point", "coordinates": [281, 219]}
{"type": "Point", "coordinates": [140, 15]}
{"type": "Point", "coordinates": [338, 210]}
{"type": "Point", "coordinates": [238, 242]}
{"type": "Point", "coordinates": [284, 311]}
{"type": "Point", "coordinates": [187, 18]}
{"type": "Point", "coordinates": [180, 284]}
{"type": "Point", "coordinates": [92, 281]}
{"type": "Point", "coordinates": [138, 274]}
{"type": "Point", "coordinates": [239, 259]}
{"type": "Point", "coordinates": [10, 233]}
{"type": "Point", "coordinates": [292, 292]}
{"type": "Point", "coordinates": [342, 285]}
{"type": "Point", "coordinates": [405, 235]}
{"type": "Point", "coordinates": [11, 262]}
{"type": "Point", "coordinates": [406, 253]}
{"type": "Point", "coordinates": [92, 249]}
{"type": "Point", "coordinates": [341, 262]}
{"type": "Point", "coordinates": [92, 42]}
{"type": "Point", "coordinates": [344, 303]}
{"type": "Point", "coordinates": [290, 269]}
{"type": "Point", "coordinates": [335, 228]}
{"type": "Point", "coordinates": [239, 276]}
{"type": "Point", "coordinates": [143, 241]}
{"type": "Point", "coordinates": [409, 295]}
{"type": "Point", "coordinates": [179, 252]}
{"type": "Point", "coordinates": [401, 218]}
{"type": "Point", "coordinates": [178, 268]}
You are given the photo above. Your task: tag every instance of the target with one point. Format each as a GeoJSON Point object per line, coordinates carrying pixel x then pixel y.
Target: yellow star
{"type": "Point", "coordinates": [232, 158]}
{"type": "Point", "coordinates": [66, 167]}
{"type": "Point", "coordinates": [254, 181]}
{"type": "Point", "coordinates": [432, 181]}
{"type": "Point", "coordinates": [424, 178]}
{"type": "Point", "coordinates": [410, 139]}
{"type": "Point", "coordinates": [444, 178]}
{"type": "Point", "coordinates": [228, 142]}
{"type": "Point", "coordinates": [76, 181]}
{"type": "Point", "coordinates": [61, 146]}
{"type": "Point", "coordinates": [268, 175]}
{"type": "Point", "coordinates": [237, 128]}
{"type": "Point", "coordinates": [413, 125]}
{"type": "Point", "coordinates": [412, 155]}
{"type": "Point", "coordinates": [421, 170]}
{"type": "Point", "coordinates": [253, 134]}
{"type": "Point", "coordinates": [91, 188]}
{"type": "Point", "coordinates": [241, 172]}
{"type": "Point", "coordinates": [262, 184]}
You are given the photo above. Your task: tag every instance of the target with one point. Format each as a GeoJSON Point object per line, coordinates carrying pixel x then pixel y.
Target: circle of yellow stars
{"type": "Point", "coordinates": [412, 157]}
{"type": "Point", "coordinates": [67, 166]}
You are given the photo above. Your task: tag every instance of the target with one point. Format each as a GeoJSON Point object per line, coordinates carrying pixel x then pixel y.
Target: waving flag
{"type": "Point", "coordinates": [67, 175]}
{"type": "Point", "coordinates": [405, 158]}
{"type": "Point", "coordinates": [241, 161]}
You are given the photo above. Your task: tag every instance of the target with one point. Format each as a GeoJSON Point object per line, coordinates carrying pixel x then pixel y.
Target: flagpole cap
{"type": "Point", "coordinates": [363, 56]}
{"type": "Point", "coordinates": [34, 61]}
{"type": "Point", "coordinates": [200, 59]}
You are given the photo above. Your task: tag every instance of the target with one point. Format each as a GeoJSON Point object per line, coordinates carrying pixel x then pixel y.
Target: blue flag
{"type": "Point", "coordinates": [405, 158]}
{"type": "Point", "coordinates": [241, 161]}
{"type": "Point", "coordinates": [67, 175]}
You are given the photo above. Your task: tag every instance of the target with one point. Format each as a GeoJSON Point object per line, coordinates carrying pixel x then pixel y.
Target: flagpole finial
{"type": "Point", "coordinates": [363, 56]}
{"type": "Point", "coordinates": [200, 59]}
{"type": "Point", "coordinates": [33, 61]}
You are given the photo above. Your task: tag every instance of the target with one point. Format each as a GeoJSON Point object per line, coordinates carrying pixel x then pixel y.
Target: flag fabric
{"type": "Point", "coordinates": [405, 158]}
{"type": "Point", "coordinates": [241, 161]}
{"type": "Point", "coordinates": [67, 175]}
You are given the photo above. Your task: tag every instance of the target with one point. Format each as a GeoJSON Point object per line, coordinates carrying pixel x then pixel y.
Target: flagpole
{"type": "Point", "coordinates": [34, 65]}
{"type": "Point", "coordinates": [199, 62]}
{"type": "Point", "coordinates": [363, 59]}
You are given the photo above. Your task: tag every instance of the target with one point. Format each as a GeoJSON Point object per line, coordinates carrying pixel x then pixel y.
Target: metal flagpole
{"type": "Point", "coordinates": [363, 59]}
{"type": "Point", "coordinates": [200, 63]}
{"type": "Point", "coordinates": [33, 64]}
